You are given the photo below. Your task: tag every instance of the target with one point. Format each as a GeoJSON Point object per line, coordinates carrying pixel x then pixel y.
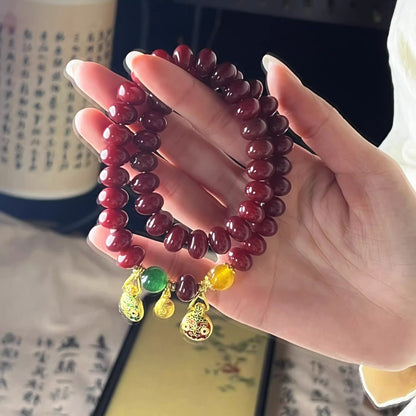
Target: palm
{"type": "Point", "coordinates": [333, 273]}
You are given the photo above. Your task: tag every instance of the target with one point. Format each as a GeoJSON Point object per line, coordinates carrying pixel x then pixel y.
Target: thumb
{"type": "Point", "coordinates": [321, 127]}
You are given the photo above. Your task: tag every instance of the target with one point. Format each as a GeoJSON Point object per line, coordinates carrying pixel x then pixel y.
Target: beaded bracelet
{"type": "Point", "coordinates": [263, 128]}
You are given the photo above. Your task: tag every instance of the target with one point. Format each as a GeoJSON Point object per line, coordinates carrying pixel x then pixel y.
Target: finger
{"type": "Point", "coordinates": [175, 264]}
{"type": "Point", "coordinates": [185, 199]}
{"type": "Point", "coordinates": [322, 128]}
{"type": "Point", "coordinates": [181, 144]}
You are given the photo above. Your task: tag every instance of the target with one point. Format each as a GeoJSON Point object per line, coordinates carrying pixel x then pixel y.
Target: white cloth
{"type": "Point", "coordinates": [60, 330]}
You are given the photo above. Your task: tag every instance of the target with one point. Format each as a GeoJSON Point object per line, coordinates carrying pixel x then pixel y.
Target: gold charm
{"type": "Point", "coordinates": [164, 307]}
{"type": "Point", "coordinates": [130, 304]}
{"type": "Point", "coordinates": [196, 324]}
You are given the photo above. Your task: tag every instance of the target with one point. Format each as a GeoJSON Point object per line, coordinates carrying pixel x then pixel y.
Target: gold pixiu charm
{"type": "Point", "coordinates": [130, 304]}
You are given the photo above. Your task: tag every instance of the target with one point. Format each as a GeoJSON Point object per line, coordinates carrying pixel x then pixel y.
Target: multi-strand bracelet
{"type": "Point", "coordinates": [241, 236]}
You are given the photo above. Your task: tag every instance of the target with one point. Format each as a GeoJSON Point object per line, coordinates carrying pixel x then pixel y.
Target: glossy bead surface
{"type": "Point", "coordinates": [113, 218]}
{"type": "Point", "coordinates": [116, 134]}
{"type": "Point", "coordinates": [118, 240]}
{"type": "Point", "coordinates": [131, 93]}
{"type": "Point", "coordinates": [266, 228]}
{"type": "Point", "coordinates": [183, 56]}
{"type": "Point", "coordinates": [186, 288]}
{"type": "Point", "coordinates": [221, 277]}
{"type": "Point", "coordinates": [159, 223]}
{"type": "Point", "coordinates": [268, 105]}
{"type": "Point", "coordinates": [156, 105]}
{"type": "Point", "coordinates": [197, 244]}
{"type": "Point", "coordinates": [144, 162]}
{"type": "Point", "coordinates": [144, 183]}
{"type": "Point", "coordinates": [280, 185]}
{"type": "Point", "coordinates": [223, 75]}
{"type": "Point", "coordinates": [162, 54]}
{"type": "Point", "coordinates": [251, 212]}
{"type": "Point", "coordinates": [278, 124]}
{"type": "Point", "coordinates": [219, 240]}
{"type": "Point", "coordinates": [148, 204]}
{"type": "Point", "coordinates": [282, 165]}
{"type": "Point", "coordinates": [176, 238]}
{"type": "Point", "coordinates": [256, 88]}
{"type": "Point", "coordinates": [258, 191]}
{"type": "Point", "coordinates": [282, 144]}
{"type": "Point", "coordinates": [260, 169]}
{"type": "Point", "coordinates": [113, 155]}
{"type": "Point", "coordinates": [154, 121]}
{"type": "Point", "coordinates": [113, 198]}
{"type": "Point", "coordinates": [253, 129]}
{"type": "Point", "coordinates": [240, 259]}
{"type": "Point", "coordinates": [240, 75]}
{"type": "Point", "coordinates": [236, 90]}
{"type": "Point", "coordinates": [205, 63]}
{"type": "Point", "coordinates": [255, 245]}
{"type": "Point", "coordinates": [131, 257]}
{"type": "Point", "coordinates": [247, 109]}
{"type": "Point", "coordinates": [154, 279]}
{"type": "Point", "coordinates": [238, 228]}
{"type": "Point", "coordinates": [147, 141]}
{"type": "Point", "coordinates": [114, 177]}
{"type": "Point", "coordinates": [122, 113]}
{"type": "Point", "coordinates": [259, 149]}
{"type": "Point", "coordinates": [275, 207]}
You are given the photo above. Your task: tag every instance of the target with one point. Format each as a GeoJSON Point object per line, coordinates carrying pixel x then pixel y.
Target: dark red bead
{"type": "Point", "coordinates": [223, 75]}
{"type": "Point", "coordinates": [183, 56]}
{"type": "Point", "coordinates": [197, 244]}
{"type": "Point", "coordinates": [162, 54]}
{"type": "Point", "coordinates": [240, 259]}
{"type": "Point", "coordinates": [240, 76]}
{"type": "Point", "coordinates": [131, 257]}
{"type": "Point", "coordinates": [122, 113]}
{"type": "Point", "coordinates": [275, 207]}
{"type": "Point", "coordinates": [148, 204]}
{"type": "Point", "coordinates": [219, 240]}
{"type": "Point", "coordinates": [113, 155]}
{"type": "Point", "coordinates": [154, 121]}
{"type": "Point", "coordinates": [156, 105]}
{"type": "Point", "coordinates": [238, 228]}
{"type": "Point", "coordinates": [247, 108]}
{"type": "Point", "coordinates": [260, 169]}
{"type": "Point", "coordinates": [205, 63]}
{"type": "Point", "coordinates": [118, 240]}
{"type": "Point", "coordinates": [144, 183]}
{"type": "Point", "coordinates": [258, 191]}
{"type": "Point", "coordinates": [114, 177]}
{"type": "Point", "coordinates": [131, 93]}
{"type": "Point", "coordinates": [278, 124]}
{"type": "Point", "coordinates": [282, 144]}
{"type": "Point", "coordinates": [256, 88]}
{"type": "Point", "coordinates": [118, 135]}
{"type": "Point", "coordinates": [147, 141]}
{"type": "Point", "coordinates": [186, 288]}
{"type": "Point", "coordinates": [113, 218]}
{"type": "Point", "coordinates": [113, 198]}
{"type": "Point", "coordinates": [266, 228]}
{"type": "Point", "coordinates": [176, 238]}
{"type": "Point", "coordinates": [143, 161]}
{"type": "Point", "coordinates": [268, 105]}
{"type": "Point", "coordinates": [282, 165]}
{"type": "Point", "coordinates": [255, 128]}
{"type": "Point", "coordinates": [236, 90]}
{"type": "Point", "coordinates": [251, 212]}
{"type": "Point", "coordinates": [255, 245]}
{"type": "Point", "coordinates": [159, 223]}
{"type": "Point", "coordinates": [259, 149]}
{"type": "Point", "coordinates": [280, 185]}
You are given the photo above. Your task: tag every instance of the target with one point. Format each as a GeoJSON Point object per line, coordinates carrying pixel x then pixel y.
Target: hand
{"type": "Point", "coordinates": [339, 276]}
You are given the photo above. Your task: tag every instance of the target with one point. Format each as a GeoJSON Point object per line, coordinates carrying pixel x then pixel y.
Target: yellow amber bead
{"type": "Point", "coordinates": [221, 277]}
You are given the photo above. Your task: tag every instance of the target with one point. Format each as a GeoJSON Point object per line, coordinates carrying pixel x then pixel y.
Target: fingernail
{"type": "Point", "coordinates": [269, 61]}
{"type": "Point", "coordinates": [71, 67]}
{"type": "Point", "coordinates": [128, 60]}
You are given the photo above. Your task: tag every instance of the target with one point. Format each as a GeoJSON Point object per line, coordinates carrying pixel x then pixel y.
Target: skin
{"type": "Point", "coordinates": [339, 277]}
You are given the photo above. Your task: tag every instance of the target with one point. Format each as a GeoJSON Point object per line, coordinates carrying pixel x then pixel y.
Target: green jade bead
{"type": "Point", "coordinates": [154, 279]}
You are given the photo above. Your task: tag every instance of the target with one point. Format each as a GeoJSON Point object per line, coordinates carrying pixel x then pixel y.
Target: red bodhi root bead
{"type": "Point", "coordinates": [131, 257]}
{"type": "Point", "coordinates": [240, 259]}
